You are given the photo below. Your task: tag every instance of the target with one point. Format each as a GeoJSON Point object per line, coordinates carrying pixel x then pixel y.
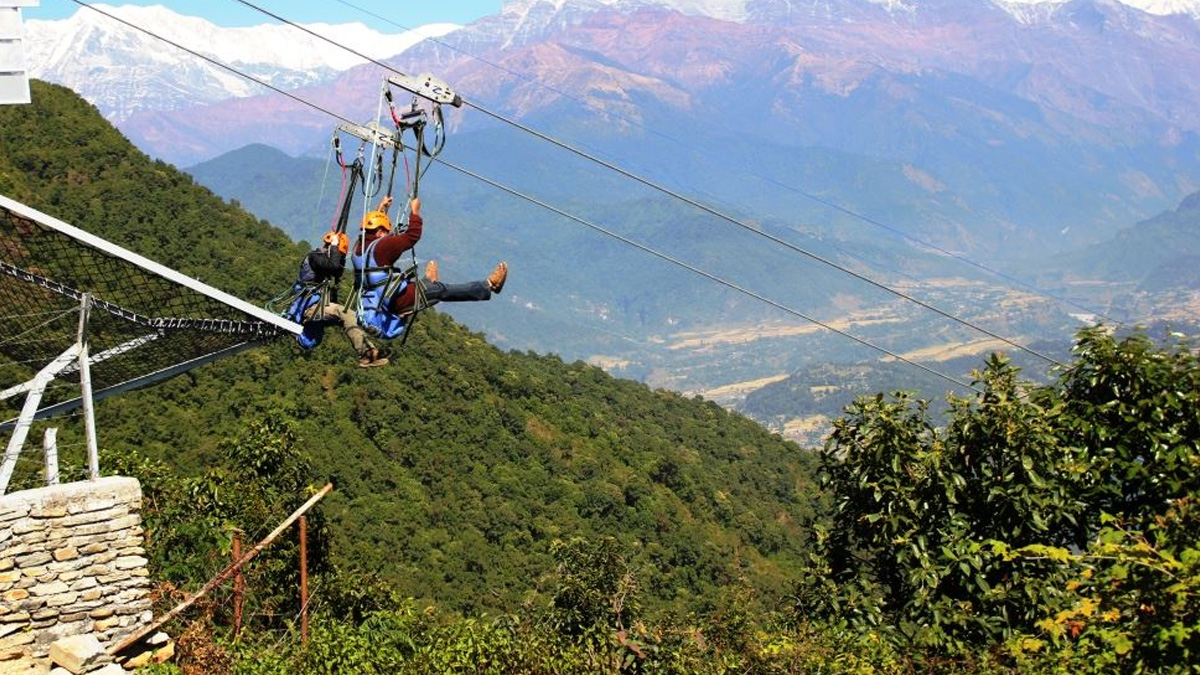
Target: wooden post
{"type": "Point", "coordinates": [303, 580]}
{"type": "Point", "coordinates": [221, 578]}
{"type": "Point", "coordinates": [239, 585]}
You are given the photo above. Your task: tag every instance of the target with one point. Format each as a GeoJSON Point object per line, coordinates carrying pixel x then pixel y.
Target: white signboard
{"type": "Point", "coordinates": [14, 73]}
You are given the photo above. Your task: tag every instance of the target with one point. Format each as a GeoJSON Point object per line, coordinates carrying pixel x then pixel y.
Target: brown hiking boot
{"type": "Point", "coordinates": [371, 359]}
{"type": "Point", "coordinates": [431, 272]}
{"type": "Point", "coordinates": [496, 279]}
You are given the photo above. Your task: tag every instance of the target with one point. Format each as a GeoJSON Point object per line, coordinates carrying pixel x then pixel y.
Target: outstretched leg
{"type": "Point", "coordinates": [471, 291]}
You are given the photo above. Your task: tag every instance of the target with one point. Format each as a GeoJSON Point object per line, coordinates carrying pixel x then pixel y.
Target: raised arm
{"type": "Point", "coordinates": [390, 248]}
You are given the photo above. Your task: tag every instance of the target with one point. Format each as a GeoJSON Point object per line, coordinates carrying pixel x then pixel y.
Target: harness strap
{"type": "Point", "coordinates": [296, 299]}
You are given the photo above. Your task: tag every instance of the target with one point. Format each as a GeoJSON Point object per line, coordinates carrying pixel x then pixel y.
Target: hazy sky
{"type": "Point", "coordinates": [407, 13]}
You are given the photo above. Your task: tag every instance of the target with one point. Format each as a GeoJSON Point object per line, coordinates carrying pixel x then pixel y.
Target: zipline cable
{"type": "Point", "coordinates": [782, 242]}
{"type": "Point", "coordinates": [691, 268]}
{"type": "Point", "coordinates": [768, 179]}
{"type": "Point", "coordinates": [213, 61]}
{"type": "Point", "coordinates": [678, 196]}
{"type": "Point", "coordinates": [321, 199]}
{"type": "Point", "coordinates": [516, 193]}
{"type": "Point", "coordinates": [944, 251]}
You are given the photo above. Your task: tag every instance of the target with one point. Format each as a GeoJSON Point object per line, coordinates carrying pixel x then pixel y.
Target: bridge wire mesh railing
{"type": "Point", "coordinates": [141, 322]}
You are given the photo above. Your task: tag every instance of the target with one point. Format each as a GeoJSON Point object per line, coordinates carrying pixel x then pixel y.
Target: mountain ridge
{"type": "Point", "coordinates": [742, 10]}
{"type": "Point", "coordinates": [124, 71]}
{"type": "Point", "coordinates": [998, 124]}
{"type": "Point", "coordinates": [785, 76]}
{"type": "Point", "coordinates": [1158, 254]}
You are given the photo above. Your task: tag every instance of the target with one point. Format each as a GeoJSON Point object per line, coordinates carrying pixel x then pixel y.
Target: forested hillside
{"type": "Point", "coordinates": [457, 465]}
{"type": "Point", "coordinates": [286, 190]}
{"type": "Point", "coordinates": [59, 156]}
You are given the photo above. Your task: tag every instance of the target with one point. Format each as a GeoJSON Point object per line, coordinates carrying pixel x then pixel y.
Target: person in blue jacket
{"type": "Point", "coordinates": [316, 305]}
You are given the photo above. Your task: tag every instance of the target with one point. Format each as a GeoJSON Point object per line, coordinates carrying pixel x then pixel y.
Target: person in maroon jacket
{"type": "Point", "coordinates": [378, 249]}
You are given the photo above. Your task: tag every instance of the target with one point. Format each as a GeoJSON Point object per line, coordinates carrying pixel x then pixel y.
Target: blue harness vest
{"type": "Point", "coordinates": [375, 287]}
{"type": "Point", "coordinates": [306, 292]}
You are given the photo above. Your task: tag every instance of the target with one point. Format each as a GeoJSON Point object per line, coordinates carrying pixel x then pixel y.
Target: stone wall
{"type": "Point", "coordinates": [71, 562]}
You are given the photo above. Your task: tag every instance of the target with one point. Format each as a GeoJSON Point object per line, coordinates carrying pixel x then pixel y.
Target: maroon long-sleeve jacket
{"type": "Point", "coordinates": [389, 250]}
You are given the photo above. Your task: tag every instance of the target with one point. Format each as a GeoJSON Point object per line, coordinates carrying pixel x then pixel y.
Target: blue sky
{"type": "Point", "coordinates": [408, 13]}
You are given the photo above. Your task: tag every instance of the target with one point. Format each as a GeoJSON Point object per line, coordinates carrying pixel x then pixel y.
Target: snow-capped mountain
{"type": "Point", "coordinates": [741, 10]}
{"type": "Point", "coordinates": [124, 71]}
{"type": "Point", "coordinates": [1162, 7]}
{"type": "Point", "coordinates": [1094, 68]}
{"type": "Point", "coordinates": [1036, 11]}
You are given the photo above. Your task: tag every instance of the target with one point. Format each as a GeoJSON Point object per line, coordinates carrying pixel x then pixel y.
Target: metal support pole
{"type": "Point", "coordinates": [85, 389]}
{"type": "Point", "coordinates": [239, 585]}
{"type": "Point", "coordinates": [50, 448]}
{"type": "Point", "coordinates": [303, 580]}
{"type": "Point", "coordinates": [37, 387]}
{"type": "Point", "coordinates": [129, 385]}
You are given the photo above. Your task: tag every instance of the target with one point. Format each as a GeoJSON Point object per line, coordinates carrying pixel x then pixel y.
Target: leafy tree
{"type": "Point", "coordinates": [594, 586]}
{"type": "Point", "coordinates": [1130, 602]}
{"type": "Point", "coordinates": [190, 522]}
{"type": "Point", "coordinates": [924, 516]}
{"type": "Point", "coordinates": [1134, 407]}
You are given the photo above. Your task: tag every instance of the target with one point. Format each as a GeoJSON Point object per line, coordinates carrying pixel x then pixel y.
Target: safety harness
{"type": "Point", "coordinates": [311, 289]}
{"type": "Point", "coordinates": [375, 286]}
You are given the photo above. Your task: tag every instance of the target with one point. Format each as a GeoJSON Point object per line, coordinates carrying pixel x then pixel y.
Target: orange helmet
{"type": "Point", "coordinates": [337, 239]}
{"type": "Point", "coordinates": [377, 219]}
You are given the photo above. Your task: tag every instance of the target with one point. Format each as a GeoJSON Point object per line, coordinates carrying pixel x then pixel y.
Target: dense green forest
{"type": "Point", "coordinates": [512, 513]}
